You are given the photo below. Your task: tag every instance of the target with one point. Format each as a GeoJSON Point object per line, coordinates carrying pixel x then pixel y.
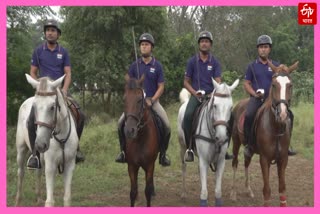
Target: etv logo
{"type": "Point", "coordinates": [307, 13]}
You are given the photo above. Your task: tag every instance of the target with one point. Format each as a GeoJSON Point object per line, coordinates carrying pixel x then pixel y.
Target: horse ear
{"type": "Point", "coordinates": [234, 85]}
{"type": "Point", "coordinates": [215, 84]}
{"type": "Point", "coordinates": [293, 67]}
{"type": "Point", "coordinates": [32, 81]}
{"type": "Point", "coordinates": [273, 67]}
{"type": "Point", "coordinates": [57, 82]}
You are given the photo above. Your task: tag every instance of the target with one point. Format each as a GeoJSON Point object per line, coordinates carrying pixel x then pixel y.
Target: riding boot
{"type": "Point", "coordinates": [80, 156]}
{"type": "Point", "coordinates": [291, 152]}
{"type": "Point", "coordinates": [163, 160]}
{"type": "Point", "coordinates": [247, 142]}
{"type": "Point", "coordinates": [189, 155]}
{"type": "Point", "coordinates": [121, 158]}
{"type": "Point", "coordinates": [34, 160]}
{"type": "Point", "coordinates": [230, 127]}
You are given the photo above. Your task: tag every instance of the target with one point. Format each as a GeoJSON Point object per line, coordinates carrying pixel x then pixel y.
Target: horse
{"type": "Point", "coordinates": [56, 140]}
{"type": "Point", "coordinates": [211, 147]}
{"type": "Point", "coordinates": [272, 126]}
{"type": "Point", "coordinates": [142, 144]}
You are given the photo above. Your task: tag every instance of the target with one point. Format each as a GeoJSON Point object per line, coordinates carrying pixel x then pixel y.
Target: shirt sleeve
{"type": "Point", "coordinates": [217, 69]}
{"type": "Point", "coordinates": [66, 59]}
{"type": "Point", "coordinates": [190, 68]}
{"type": "Point", "coordinates": [160, 74]}
{"type": "Point", "coordinates": [34, 59]}
{"type": "Point", "coordinates": [249, 73]}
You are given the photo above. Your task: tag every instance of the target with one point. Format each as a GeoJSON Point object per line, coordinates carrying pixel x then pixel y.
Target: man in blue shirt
{"type": "Point", "coordinates": [200, 69]}
{"type": "Point", "coordinates": [51, 60]}
{"type": "Point", "coordinates": [257, 83]}
{"type": "Point", "coordinates": [154, 87]}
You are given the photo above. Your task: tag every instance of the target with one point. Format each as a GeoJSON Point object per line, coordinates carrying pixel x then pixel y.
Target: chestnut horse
{"type": "Point", "coordinates": [272, 133]}
{"type": "Point", "coordinates": [142, 144]}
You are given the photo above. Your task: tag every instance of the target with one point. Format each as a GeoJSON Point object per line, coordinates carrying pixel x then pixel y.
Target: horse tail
{"type": "Point", "coordinates": [184, 95]}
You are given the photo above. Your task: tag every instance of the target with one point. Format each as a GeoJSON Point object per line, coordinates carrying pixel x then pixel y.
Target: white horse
{"type": "Point", "coordinates": [212, 145]}
{"type": "Point", "coordinates": [56, 140]}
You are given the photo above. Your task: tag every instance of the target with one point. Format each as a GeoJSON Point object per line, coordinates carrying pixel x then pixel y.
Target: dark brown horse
{"type": "Point", "coordinates": [272, 133]}
{"type": "Point", "coordinates": [142, 145]}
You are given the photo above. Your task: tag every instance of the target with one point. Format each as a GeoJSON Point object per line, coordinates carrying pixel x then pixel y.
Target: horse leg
{"type": "Point", "coordinates": [50, 172]}
{"type": "Point", "coordinates": [38, 186]}
{"type": "Point", "coordinates": [247, 162]}
{"type": "Point", "coordinates": [219, 174]}
{"type": "Point", "coordinates": [133, 173]}
{"type": "Point", "coordinates": [235, 150]}
{"type": "Point", "coordinates": [282, 164]}
{"type": "Point", "coordinates": [265, 167]}
{"type": "Point", "coordinates": [67, 179]}
{"type": "Point", "coordinates": [183, 168]}
{"type": "Point", "coordinates": [21, 154]}
{"type": "Point", "coordinates": [203, 166]}
{"type": "Point", "coordinates": [149, 189]}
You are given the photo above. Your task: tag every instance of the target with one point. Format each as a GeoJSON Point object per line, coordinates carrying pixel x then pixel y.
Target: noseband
{"type": "Point", "coordinates": [53, 125]}
{"type": "Point", "coordinates": [220, 122]}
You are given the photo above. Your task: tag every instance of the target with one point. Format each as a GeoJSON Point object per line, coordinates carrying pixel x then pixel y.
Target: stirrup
{"type": "Point", "coordinates": [186, 156]}
{"type": "Point", "coordinates": [121, 157]}
{"type": "Point", "coordinates": [37, 164]}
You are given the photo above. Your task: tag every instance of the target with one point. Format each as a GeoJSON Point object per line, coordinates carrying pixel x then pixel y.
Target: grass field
{"type": "Point", "coordinates": [99, 181]}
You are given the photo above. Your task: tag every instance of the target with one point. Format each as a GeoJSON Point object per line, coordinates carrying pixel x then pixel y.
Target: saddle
{"type": "Point", "coordinates": [252, 132]}
{"type": "Point", "coordinates": [195, 121]}
{"type": "Point", "coordinates": [75, 110]}
{"type": "Point", "coordinates": [161, 132]}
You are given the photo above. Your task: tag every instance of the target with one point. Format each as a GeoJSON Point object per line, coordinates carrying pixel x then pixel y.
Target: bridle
{"type": "Point", "coordinates": [138, 117]}
{"type": "Point", "coordinates": [52, 126]}
{"type": "Point", "coordinates": [276, 103]}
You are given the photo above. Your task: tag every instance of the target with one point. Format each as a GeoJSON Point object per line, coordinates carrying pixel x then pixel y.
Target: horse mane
{"type": "Point", "coordinates": [43, 84]}
{"type": "Point", "coordinates": [133, 84]}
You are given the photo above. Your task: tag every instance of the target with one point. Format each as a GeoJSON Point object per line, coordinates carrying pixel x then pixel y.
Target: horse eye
{"type": "Point", "coordinates": [52, 108]}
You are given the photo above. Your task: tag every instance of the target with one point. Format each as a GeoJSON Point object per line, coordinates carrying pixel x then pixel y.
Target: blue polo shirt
{"type": "Point", "coordinates": [52, 63]}
{"type": "Point", "coordinates": [209, 69]}
{"type": "Point", "coordinates": [263, 75]}
{"type": "Point", "coordinates": [153, 74]}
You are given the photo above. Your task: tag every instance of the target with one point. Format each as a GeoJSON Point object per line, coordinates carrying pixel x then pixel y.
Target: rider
{"type": "Point", "coordinates": [51, 60]}
{"type": "Point", "coordinates": [154, 87]}
{"type": "Point", "coordinates": [257, 83]}
{"type": "Point", "coordinates": [200, 69]}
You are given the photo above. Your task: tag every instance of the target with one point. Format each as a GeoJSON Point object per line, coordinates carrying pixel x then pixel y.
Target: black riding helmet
{"type": "Point", "coordinates": [205, 35]}
{"type": "Point", "coordinates": [264, 39]}
{"type": "Point", "coordinates": [51, 23]}
{"type": "Point", "coordinates": [146, 37]}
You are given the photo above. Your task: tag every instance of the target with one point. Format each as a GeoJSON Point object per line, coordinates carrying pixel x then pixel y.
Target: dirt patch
{"type": "Point", "coordinates": [168, 185]}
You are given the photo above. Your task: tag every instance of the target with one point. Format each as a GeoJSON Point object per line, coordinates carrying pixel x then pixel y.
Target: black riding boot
{"type": "Point", "coordinates": [34, 160]}
{"type": "Point", "coordinates": [230, 127]}
{"type": "Point", "coordinates": [121, 158]}
{"type": "Point", "coordinates": [248, 151]}
{"type": "Point", "coordinates": [291, 152]}
{"type": "Point", "coordinates": [163, 160]}
{"type": "Point", "coordinates": [79, 156]}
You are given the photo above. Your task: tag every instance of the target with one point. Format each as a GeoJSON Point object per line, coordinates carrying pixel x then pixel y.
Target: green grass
{"type": "Point", "coordinates": [99, 178]}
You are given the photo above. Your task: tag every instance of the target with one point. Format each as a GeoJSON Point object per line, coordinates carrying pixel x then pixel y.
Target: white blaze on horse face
{"type": "Point", "coordinates": [283, 81]}
{"type": "Point", "coordinates": [222, 113]}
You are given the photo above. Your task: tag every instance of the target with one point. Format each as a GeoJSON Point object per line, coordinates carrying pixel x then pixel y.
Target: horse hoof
{"type": "Point", "coordinates": [219, 202]}
{"type": "Point", "coordinates": [203, 203]}
{"type": "Point", "coordinates": [183, 197]}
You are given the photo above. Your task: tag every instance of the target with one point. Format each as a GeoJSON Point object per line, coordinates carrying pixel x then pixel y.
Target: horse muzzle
{"type": "Point", "coordinates": [41, 146]}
